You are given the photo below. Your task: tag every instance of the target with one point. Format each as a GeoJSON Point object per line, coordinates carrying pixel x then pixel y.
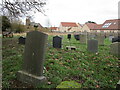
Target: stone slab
{"type": "Point", "coordinates": [30, 78]}
{"type": "Point", "coordinates": [70, 47]}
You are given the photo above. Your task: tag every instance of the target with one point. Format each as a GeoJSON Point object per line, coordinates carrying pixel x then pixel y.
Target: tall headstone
{"type": "Point", "coordinates": [57, 42]}
{"type": "Point", "coordinates": [34, 54]}
{"type": "Point", "coordinates": [92, 45]}
{"type": "Point", "coordinates": [83, 38]}
{"type": "Point", "coordinates": [115, 49]}
{"type": "Point", "coordinates": [69, 36]}
{"type": "Point", "coordinates": [100, 39]}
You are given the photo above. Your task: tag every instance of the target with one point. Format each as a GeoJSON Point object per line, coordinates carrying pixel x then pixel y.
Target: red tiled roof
{"type": "Point", "coordinates": [53, 28]}
{"type": "Point", "coordinates": [113, 24]}
{"type": "Point", "coordinates": [91, 25]}
{"type": "Point", "coordinates": [69, 24]}
{"type": "Point", "coordinates": [98, 26]}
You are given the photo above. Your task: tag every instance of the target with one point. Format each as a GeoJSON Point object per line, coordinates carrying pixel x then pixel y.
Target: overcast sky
{"type": "Point", "coordinates": [79, 11]}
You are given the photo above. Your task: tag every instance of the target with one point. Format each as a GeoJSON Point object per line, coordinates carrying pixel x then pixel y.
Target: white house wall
{"type": "Point", "coordinates": [85, 28]}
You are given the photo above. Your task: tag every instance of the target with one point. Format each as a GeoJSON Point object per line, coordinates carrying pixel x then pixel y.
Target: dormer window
{"type": "Point", "coordinates": [106, 25]}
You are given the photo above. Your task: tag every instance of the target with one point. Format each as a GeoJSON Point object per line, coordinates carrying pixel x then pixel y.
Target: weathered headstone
{"type": "Point", "coordinates": [69, 36]}
{"type": "Point", "coordinates": [100, 39]}
{"type": "Point", "coordinates": [83, 38]}
{"type": "Point", "coordinates": [116, 39]}
{"type": "Point", "coordinates": [115, 49]}
{"type": "Point", "coordinates": [57, 42]}
{"type": "Point", "coordinates": [92, 45]}
{"type": "Point", "coordinates": [91, 36]}
{"type": "Point", "coordinates": [34, 54]}
{"type": "Point", "coordinates": [77, 36]}
{"type": "Point", "coordinates": [21, 40]}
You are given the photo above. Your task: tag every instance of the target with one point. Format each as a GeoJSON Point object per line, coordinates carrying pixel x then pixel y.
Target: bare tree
{"type": "Point", "coordinates": [19, 8]}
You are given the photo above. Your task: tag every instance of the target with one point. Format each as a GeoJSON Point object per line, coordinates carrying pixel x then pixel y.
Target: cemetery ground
{"type": "Point", "coordinates": [90, 70]}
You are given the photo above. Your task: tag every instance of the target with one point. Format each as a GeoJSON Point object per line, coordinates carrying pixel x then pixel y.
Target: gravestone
{"type": "Point", "coordinates": [77, 36]}
{"type": "Point", "coordinates": [92, 45]}
{"type": "Point", "coordinates": [116, 39]}
{"type": "Point", "coordinates": [91, 36]}
{"type": "Point", "coordinates": [21, 40]}
{"type": "Point", "coordinates": [100, 39]}
{"type": "Point", "coordinates": [110, 38]}
{"type": "Point", "coordinates": [83, 38]}
{"type": "Point", "coordinates": [34, 54]}
{"type": "Point", "coordinates": [115, 49]}
{"type": "Point", "coordinates": [57, 42]}
{"type": "Point", "coordinates": [69, 36]}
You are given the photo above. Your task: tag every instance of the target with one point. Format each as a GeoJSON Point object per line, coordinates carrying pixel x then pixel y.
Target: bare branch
{"type": "Point", "coordinates": [16, 8]}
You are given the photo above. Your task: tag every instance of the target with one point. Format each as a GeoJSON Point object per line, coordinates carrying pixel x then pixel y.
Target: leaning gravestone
{"type": "Point", "coordinates": [34, 54]}
{"type": "Point", "coordinates": [21, 40]}
{"type": "Point", "coordinates": [83, 38]}
{"type": "Point", "coordinates": [100, 39]}
{"type": "Point", "coordinates": [115, 49]}
{"type": "Point", "coordinates": [57, 42]}
{"type": "Point", "coordinates": [92, 45]}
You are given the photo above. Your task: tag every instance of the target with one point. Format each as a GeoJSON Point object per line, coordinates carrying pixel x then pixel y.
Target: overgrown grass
{"type": "Point", "coordinates": [89, 69]}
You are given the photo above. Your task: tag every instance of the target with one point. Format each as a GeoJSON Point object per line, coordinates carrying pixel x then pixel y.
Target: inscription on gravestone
{"type": "Point", "coordinates": [57, 42]}
{"type": "Point", "coordinates": [34, 55]}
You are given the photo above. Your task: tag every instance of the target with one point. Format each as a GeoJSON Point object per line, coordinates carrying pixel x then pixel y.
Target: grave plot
{"type": "Point", "coordinates": [89, 70]}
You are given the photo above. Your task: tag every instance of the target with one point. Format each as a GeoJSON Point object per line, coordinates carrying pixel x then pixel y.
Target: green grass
{"type": "Point", "coordinates": [88, 69]}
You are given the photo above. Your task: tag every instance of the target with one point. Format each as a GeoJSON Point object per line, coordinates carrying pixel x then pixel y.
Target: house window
{"type": "Point", "coordinates": [106, 25]}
